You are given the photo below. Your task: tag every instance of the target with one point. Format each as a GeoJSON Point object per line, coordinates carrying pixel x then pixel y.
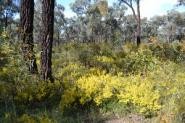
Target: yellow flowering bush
{"type": "Point", "coordinates": [140, 92]}
{"type": "Point", "coordinates": [104, 59]}
{"type": "Point", "coordinates": [101, 87]}
{"type": "Point", "coordinates": [5, 35]}
{"type": "Point", "coordinates": [98, 87]}
{"type": "Point", "coordinates": [106, 63]}
{"type": "Point", "coordinates": [70, 73]}
{"type": "Point", "coordinates": [169, 81]}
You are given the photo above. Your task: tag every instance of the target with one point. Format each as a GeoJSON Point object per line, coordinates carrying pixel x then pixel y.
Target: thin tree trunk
{"type": "Point", "coordinates": [58, 38]}
{"type": "Point", "coordinates": [47, 38]}
{"type": "Point", "coordinates": [137, 18]}
{"type": "Point", "coordinates": [26, 19]}
{"type": "Point", "coordinates": [6, 21]}
{"type": "Point", "coordinates": [138, 24]}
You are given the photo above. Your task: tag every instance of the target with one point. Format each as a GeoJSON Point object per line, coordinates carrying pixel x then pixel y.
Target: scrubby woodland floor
{"type": "Point", "coordinates": [97, 83]}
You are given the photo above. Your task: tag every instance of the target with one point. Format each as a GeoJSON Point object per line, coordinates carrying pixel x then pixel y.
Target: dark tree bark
{"type": "Point", "coordinates": [138, 23]}
{"type": "Point", "coordinates": [6, 21]}
{"type": "Point", "coordinates": [26, 19]}
{"type": "Point", "coordinates": [47, 38]}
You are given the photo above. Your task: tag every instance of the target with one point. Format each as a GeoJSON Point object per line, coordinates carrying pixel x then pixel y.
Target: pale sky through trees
{"type": "Point", "coordinates": [149, 8]}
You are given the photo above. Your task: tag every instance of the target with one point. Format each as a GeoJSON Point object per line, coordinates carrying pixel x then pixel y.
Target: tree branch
{"type": "Point", "coordinates": [131, 7]}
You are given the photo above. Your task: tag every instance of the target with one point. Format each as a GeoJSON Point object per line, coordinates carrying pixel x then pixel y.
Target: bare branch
{"type": "Point", "coordinates": [131, 7]}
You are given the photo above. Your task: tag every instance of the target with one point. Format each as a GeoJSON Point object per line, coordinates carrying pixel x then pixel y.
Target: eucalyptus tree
{"type": "Point", "coordinates": [129, 27]}
{"type": "Point", "coordinates": [90, 21]}
{"type": "Point", "coordinates": [150, 27]}
{"type": "Point", "coordinates": [37, 21]}
{"type": "Point", "coordinates": [87, 19]}
{"type": "Point", "coordinates": [47, 38]}
{"type": "Point", "coordinates": [94, 23]}
{"type": "Point", "coordinates": [26, 20]}
{"type": "Point", "coordinates": [8, 8]}
{"type": "Point", "coordinates": [169, 27]}
{"type": "Point", "coordinates": [146, 28]}
{"type": "Point", "coordinates": [136, 14]}
{"type": "Point", "coordinates": [80, 7]}
{"type": "Point", "coordinates": [177, 19]}
{"type": "Point", "coordinates": [59, 22]}
{"type": "Point", "coordinates": [69, 33]}
{"type": "Point", "coordinates": [157, 22]}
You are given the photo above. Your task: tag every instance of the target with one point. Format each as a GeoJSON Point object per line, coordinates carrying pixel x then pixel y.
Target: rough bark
{"type": "Point", "coordinates": [47, 38]}
{"type": "Point", "coordinates": [138, 23]}
{"type": "Point", "coordinates": [6, 21]}
{"type": "Point", "coordinates": [26, 19]}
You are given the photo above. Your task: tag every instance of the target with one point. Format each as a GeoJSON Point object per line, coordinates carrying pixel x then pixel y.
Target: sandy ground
{"type": "Point", "coordinates": [129, 119]}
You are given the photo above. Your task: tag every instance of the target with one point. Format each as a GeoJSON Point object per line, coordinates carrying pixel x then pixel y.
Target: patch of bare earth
{"type": "Point", "coordinates": [128, 119]}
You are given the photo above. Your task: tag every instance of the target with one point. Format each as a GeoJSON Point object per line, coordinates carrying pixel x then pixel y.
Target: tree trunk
{"type": "Point", "coordinates": [58, 41]}
{"type": "Point", "coordinates": [47, 38]}
{"type": "Point", "coordinates": [26, 19]}
{"type": "Point", "coordinates": [137, 18]}
{"type": "Point", "coordinates": [6, 21]}
{"type": "Point", "coordinates": [138, 23]}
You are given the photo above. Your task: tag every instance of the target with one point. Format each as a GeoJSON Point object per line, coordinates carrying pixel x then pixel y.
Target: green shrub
{"type": "Point", "coordinates": [26, 119]}
{"type": "Point", "coordinates": [148, 80]}
{"type": "Point", "coordinates": [33, 93]}
{"type": "Point", "coordinates": [174, 52]}
{"type": "Point", "coordinates": [141, 61]}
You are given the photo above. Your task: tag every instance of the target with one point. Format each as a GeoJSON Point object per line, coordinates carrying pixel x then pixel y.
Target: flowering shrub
{"type": "Point", "coordinates": [104, 59]}
{"type": "Point", "coordinates": [140, 92]}
{"type": "Point", "coordinates": [146, 80]}
{"type": "Point", "coordinates": [100, 88]}
{"type": "Point", "coordinates": [70, 73]}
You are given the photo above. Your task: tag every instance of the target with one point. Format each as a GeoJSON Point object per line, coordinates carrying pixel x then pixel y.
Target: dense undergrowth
{"type": "Point", "coordinates": [93, 82]}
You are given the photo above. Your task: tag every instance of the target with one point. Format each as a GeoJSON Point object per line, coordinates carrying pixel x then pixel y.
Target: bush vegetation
{"type": "Point", "coordinates": [94, 81]}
